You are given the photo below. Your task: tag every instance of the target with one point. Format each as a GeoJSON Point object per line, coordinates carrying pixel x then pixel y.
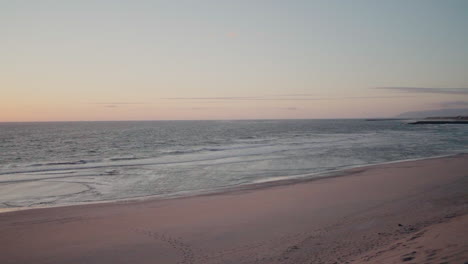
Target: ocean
{"type": "Point", "coordinates": [61, 163]}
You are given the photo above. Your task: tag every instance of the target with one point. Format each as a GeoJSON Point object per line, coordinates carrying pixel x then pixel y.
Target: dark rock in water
{"type": "Point", "coordinates": [442, 120]}
{"type": "Point", "coordinates": [438, 122]}
{"type": "Point", "coordinates": [400, 225]}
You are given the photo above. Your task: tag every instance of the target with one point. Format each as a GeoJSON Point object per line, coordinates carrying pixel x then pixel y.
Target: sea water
{"type": "Point", "coordinates": [47, 164]}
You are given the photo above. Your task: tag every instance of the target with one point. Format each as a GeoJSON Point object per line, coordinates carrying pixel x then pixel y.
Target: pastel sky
{"type": "Point", "coordinates": [215, 59]}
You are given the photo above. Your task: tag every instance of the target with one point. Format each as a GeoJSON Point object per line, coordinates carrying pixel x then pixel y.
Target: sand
{"type": "Point", "coordinates": [408, 212]}
{"type": "Point", "coordinates": [445, 242]}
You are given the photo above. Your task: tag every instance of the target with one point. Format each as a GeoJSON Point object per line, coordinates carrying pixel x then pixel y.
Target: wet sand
{"type": "Point", "coordinates": [408, 212]}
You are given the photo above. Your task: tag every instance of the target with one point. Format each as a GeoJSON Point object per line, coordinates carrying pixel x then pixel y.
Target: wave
{"type": "Point", "coordinates": [177, 157]}
{"type": "Point", "coordinates": [78, 162]}
{"type": "Point", "coordinates": [120, 159]}
{"type": "Point", "coordinates": [162, 160]}
{"type": "Point", "coordinates": [215, 149]}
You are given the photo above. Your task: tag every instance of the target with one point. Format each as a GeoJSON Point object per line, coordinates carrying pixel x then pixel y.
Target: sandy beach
{"type": "Point", "coordinates": [410, 212]}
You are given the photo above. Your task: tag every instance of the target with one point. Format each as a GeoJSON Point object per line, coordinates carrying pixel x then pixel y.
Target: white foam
{"type": "Point", "coordinates": [39, 189]}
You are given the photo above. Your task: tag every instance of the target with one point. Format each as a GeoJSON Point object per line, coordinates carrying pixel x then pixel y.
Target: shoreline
{"type": "Point", "coordinates": [395, 208]}
{"type": "Point", "coordinates": [265, 183]}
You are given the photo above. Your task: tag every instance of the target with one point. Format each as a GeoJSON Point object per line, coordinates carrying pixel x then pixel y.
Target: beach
{"type": "Point", "coordinates": [234, 132]}
{"type": "Point", "coordinates": [410, 212]}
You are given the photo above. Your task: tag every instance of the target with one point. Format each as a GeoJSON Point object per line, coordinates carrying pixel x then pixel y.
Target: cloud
{"type": "Point", "coordinates": [454, 104]}
{"type": "Point", "coordinates": [281, 98]}
{"type": "Point", "coordinates": [373, 97]}
{"type": "Point", "coordinates": [111, 106]}
{"type": "Point", "coordinates": [119, 103]}
{"type": "Point", "coordinates": [212, 98]}
{"type": "Point", "coordinates": [295, 94]}
{"type": "Point", "coordinates": [204, 108]}
{"type": "Point", "coordinates": [462, 91]}
{"type": "Point", "coordinates": [244, 98]}
{"type": "Point", "coordinates": [232, 34]}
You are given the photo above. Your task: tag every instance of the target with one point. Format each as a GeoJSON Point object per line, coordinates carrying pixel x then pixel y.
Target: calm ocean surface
{"type": "Point", "coordinates": [44, 164]}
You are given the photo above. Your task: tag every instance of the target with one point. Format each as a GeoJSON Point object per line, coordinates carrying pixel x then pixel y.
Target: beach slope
{"type": "Point", "coordinates": [392, 213]}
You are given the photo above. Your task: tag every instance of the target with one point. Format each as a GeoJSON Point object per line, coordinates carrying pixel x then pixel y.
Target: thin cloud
{"type": "Point", "coordinates": [454, 104]}
{"type": "Point", "coordinates": [374, 97]}
{"type": "Point", "coordinates": [119, 103]}
{"type": "Point", "coordinates": [204, 108]}
{"type": "Point", "coordinates": [243, 99]}
{"type": "Point", "coordinates": [110, 106]}
{"type": "Point", "coordinates": [293, 95]}
{"type": "Point", "coordinates": [232, 34]}
{"type": "Point", "coordinates": [462, 91]}
{"type": "Point", "coordinates": [211, 98]}
{"type": "Point", "coordinates": [281, 98]}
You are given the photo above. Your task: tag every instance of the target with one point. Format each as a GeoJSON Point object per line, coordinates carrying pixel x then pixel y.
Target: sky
{"type": "Point", "coordinates": [183, 60]}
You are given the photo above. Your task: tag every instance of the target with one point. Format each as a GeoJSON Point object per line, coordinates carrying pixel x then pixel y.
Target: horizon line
{"type": "Point", "coordinates": [155, 120]}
